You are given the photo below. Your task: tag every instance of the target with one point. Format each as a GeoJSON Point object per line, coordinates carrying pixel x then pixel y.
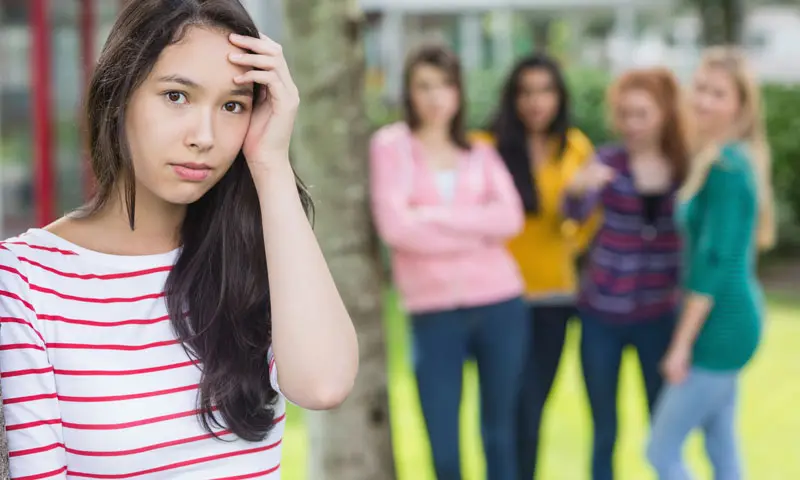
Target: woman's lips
{"type": "Point", "coordinates": [192, 172]}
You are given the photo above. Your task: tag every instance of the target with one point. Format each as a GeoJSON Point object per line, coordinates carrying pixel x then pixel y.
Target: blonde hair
{"type": "Point", "coordinates": [750, 130]}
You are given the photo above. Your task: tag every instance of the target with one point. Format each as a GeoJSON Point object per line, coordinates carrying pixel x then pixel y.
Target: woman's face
{"type": "Point", "coordinates": [639, 119]}
{"type": "Point", "coordinates": [434, 97]}
{"type": "Point", "coordinates": [187, 121]}
{"type": "Point", "coordinates": [538, 99]}
{"type": "Point", "coordinates": [715, 101]}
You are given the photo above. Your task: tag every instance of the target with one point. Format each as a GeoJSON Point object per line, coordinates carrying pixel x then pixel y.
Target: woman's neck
{"type": "Point", "coordinates": [538, 139]}
{"type": "Point", "coordinates": [647, 150]}
{"type": "Point", "coordinates": [156, 226]}
{"type": "Point", "coordinates": [156, 223]}
{"type": "Point", "coordinates": [433, 136]}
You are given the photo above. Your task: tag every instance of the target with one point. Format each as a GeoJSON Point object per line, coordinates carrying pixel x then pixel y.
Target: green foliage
{"type": "Point", "coordinates": [783, 124]}
{"type": "Point", "coordinates": [588, 89]}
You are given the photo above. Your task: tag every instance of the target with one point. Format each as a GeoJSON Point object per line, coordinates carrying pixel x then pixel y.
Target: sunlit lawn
{"type": "Point", "coordinates": [769, 422]}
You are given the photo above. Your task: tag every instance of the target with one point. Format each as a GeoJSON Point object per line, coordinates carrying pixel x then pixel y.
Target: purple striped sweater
{"type": "Point", "coordinates": [632, 273]}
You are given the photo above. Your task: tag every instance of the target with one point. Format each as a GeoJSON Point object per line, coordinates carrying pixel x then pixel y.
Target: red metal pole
{"type": "Point", "coordinates": [87, 36]}
{"type": "Point", "coordinates": [44, 186]}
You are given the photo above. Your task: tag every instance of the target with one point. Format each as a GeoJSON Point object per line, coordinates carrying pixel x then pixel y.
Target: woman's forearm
{"type": "Point", "coordinates": [695, 311]}
{"type": "Point", "coordinates": [313, 339]}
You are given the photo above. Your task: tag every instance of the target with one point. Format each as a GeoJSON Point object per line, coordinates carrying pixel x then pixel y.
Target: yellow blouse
{"type": "Point", "coordinates": [549, 244]}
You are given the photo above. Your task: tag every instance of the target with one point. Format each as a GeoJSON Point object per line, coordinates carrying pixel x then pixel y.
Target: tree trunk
{"type": "Point", "coordinates": [722, 21]}
{"type": "Point", "coordinates": [323, 41]}
{"type": "Point", "coordinates": [540, 33]}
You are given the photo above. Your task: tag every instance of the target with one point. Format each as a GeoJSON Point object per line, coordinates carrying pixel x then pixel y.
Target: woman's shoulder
{"type": "Point", "coordinates": [63, 261]}
{"type": "Point", "coordinates": [481, 137]}
{"type": "Point", "coordinates": [732, 170]}
{"type": "Point", "coordinates": [731, 165]}
{"type": "Point", "coordinates": [32, 244]}
{"type": "Point", "coordinates": [16, 254]}
{"type": "Point", "coordinates": [734, 156]}
{"type": "Point", "coordinates": [389, 134]}
{"type": "Point", "coordinates": [579, 142]}
{"type": "Point", "coordinates": [10, 250]}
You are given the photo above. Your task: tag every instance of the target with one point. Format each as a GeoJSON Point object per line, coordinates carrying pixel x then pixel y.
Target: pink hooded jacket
{"type": "Point", "coordinates": [445, 255]}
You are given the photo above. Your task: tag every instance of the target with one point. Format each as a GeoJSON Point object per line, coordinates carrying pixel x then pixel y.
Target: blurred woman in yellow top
{"type": "Point", "coordinates": [533, 133]}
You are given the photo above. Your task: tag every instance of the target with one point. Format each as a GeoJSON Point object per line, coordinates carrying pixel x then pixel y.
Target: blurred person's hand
{"type": "Point", "coordinates": [675, 365]}
{"type": "Point", "coordinates": [593, 177]}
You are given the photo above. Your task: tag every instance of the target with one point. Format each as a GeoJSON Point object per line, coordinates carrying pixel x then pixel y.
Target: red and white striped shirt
{"type": "Point", "coordinates": [94, 381]}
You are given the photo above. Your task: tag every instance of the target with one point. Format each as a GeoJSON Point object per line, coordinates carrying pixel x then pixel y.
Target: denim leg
{"type": "Point", "coordinates": [601, 355]}
{"type": "Point", "coordinates": [720, 439]}
{"type": "Point", "coordinates": [652, 341]}
{"type": "Point", "coordinates": [440, 347]}
{"type": "Point", "coordinates": [500, 344]}
{"type": "Point", "coordinates": [548, 331]}
{"type": "Point", "coordinates": [683, 407]}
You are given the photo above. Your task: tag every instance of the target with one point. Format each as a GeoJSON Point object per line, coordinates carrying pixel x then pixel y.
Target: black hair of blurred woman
{"type": "Point", "coordinates": [511, 134]}
{"type": "Point", "coordinates": [441, 57]}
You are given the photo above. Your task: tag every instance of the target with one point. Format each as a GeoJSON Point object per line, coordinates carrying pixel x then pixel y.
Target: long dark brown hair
{"type": "Point", "coordinates": [444, 59]}
{"type": "Point", "coordinates": [662, 85]}
{"type": "Point", "coordinates": [220, 276]}
{"type": "Point", "coordinates": [511, 134]}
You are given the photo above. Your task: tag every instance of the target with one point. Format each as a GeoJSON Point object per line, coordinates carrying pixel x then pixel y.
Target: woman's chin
{"type": "Point", "coordinates": [185, 196]}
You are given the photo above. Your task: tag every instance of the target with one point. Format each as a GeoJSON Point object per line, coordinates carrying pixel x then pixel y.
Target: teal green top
{"type": "Point", "coordinates": [719, 242]}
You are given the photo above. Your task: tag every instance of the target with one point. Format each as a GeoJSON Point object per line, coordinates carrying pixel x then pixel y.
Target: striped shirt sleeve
{"type": "Point", "coordinates": [273, 371]}
{"type": "Point", "coordinates": [30, 403]}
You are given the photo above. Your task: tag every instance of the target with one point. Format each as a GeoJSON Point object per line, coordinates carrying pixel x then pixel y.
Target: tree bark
{"type": "Point", "coordinates": [722, 21]}
{"type": "Point", "coordinates": [324, 45]}
{"type": "Point", "coordinates": [540, 33]}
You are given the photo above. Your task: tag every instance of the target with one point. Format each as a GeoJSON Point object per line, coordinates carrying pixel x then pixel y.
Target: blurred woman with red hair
{"type": "Point", "coordinates": [629, 291]}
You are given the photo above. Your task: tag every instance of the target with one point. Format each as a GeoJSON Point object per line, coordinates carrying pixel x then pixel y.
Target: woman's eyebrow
{"type": "Point", "coordinates": [242, 92]}
{"type": "Point", "coordinates": [181, 80]}
{"type": "Point", "coordinates": [238, 91]}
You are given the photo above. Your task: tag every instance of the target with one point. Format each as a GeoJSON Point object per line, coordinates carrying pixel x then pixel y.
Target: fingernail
{"type": "Point", "coordinates": [236, 56]}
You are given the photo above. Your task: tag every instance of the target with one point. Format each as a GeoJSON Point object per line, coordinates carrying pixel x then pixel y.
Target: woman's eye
{"type": "Point", "coordinates": [233, 107]}
{"type": "Point", "coordinates": [176, 97]}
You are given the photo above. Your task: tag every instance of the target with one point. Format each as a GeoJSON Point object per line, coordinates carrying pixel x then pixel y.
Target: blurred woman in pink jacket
{"type": "Point", "coordinates": [446, 209]}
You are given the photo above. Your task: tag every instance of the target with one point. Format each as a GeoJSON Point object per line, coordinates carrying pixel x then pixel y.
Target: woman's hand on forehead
{"type": "Point", "coordinates": [272, 123]}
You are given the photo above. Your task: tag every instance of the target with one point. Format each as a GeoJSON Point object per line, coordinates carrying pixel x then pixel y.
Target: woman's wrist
{"type": "Point", "coordinates": [575, 189]}
{"type": "Point", "coordinates": [680, 345]}
{"type": "Point", "coordinates": [275, 174]}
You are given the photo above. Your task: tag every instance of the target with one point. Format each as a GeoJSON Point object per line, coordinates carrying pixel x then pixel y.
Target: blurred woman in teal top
{"type": "Point", "coordinates": [726, 215]}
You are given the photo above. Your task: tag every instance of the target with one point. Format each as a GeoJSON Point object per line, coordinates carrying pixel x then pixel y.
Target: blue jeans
{"type": "Point", "coordinates": [548, 332]}
{"type": "Point", "coordinates": [707, 400]}
{"type": "Point", "coordinates": [602, 344]}
{"type": "Point", "coordinates": [496, 336]}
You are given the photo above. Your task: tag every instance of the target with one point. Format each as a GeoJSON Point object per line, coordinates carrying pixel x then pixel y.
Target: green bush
{"type": "Point", "coordinates": [588, 88]}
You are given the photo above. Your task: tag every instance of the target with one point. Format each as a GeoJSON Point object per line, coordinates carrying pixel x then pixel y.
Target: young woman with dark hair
{"type": "Point", "coordinates": [143, 334]}
{"type": "Point", "coordinates": [542, 150]}
{"type": "Point", "coordinates": [629, 291]}
{"type": "Point", "coordinates": [445, 209]}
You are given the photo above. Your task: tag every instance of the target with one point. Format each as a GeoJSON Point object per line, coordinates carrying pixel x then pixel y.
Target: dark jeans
{"type": "Point", "coordinates": [496, 336]}
{"type": "Point", "coordinates": [548, 331]}
{"type": "Point", "coordinates": [602, 344]}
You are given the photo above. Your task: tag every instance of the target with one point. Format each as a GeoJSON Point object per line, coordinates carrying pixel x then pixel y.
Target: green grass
{"type": "Point", "coordinates": [769, 415]}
